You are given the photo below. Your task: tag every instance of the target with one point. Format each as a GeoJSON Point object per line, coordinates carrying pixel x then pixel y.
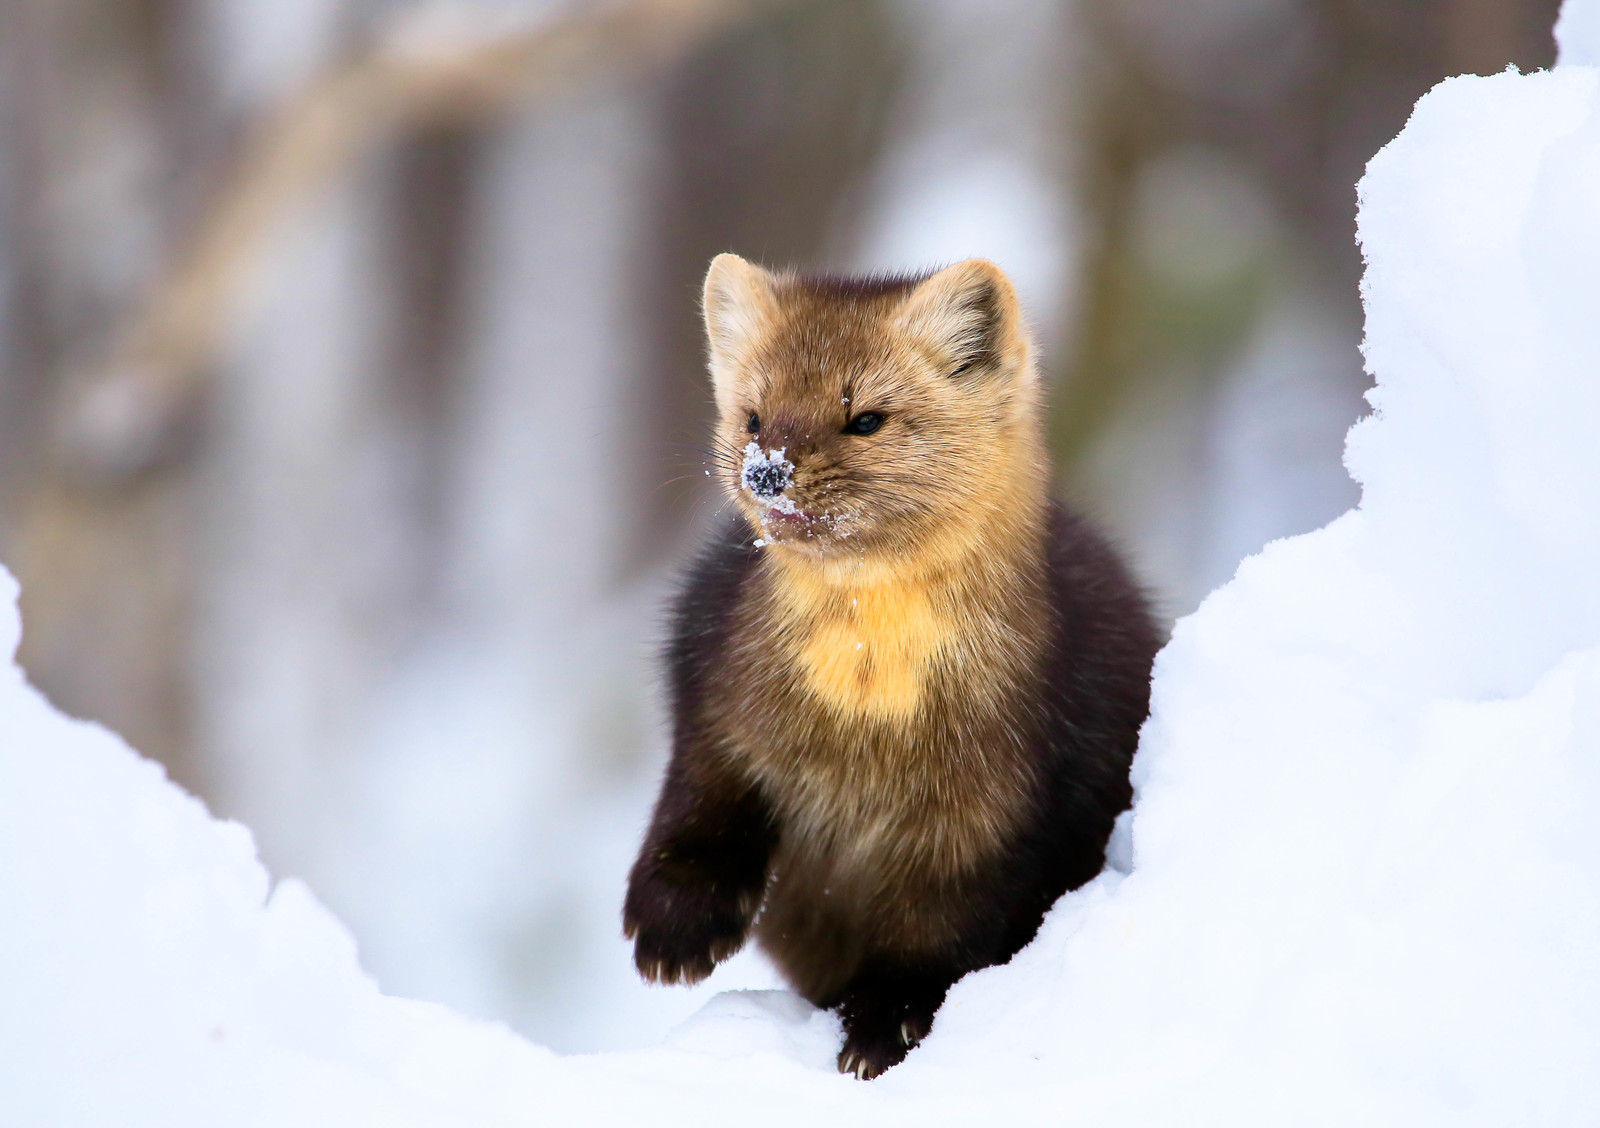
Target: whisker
{"type": "Point", "coordinates": [672, 481]}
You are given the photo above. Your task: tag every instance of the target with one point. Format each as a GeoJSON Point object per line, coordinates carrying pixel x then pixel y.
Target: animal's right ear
{"type": "Point", "coordinates": [969, 316]}
{"type": "Point", "coordinates": [739, 305]}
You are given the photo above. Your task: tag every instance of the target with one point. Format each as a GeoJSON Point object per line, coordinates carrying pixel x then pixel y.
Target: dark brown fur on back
{"type": "Point", "coordinates": [903, 719]}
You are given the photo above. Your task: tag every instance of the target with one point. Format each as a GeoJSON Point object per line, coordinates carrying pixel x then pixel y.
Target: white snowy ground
{"type": "Point", "coordinates": [1365, 855]}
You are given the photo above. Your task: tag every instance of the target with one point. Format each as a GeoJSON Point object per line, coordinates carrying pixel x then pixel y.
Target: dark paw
{"type": "Point", "coordinates": [869, 1053]}
{"type": "Point", "coordinates": [681, 930]}
{"type": "Point", "coordinates": [884, 1021]}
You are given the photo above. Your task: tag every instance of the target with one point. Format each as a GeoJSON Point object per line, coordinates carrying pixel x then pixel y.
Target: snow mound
{"type": "Point", "coordinates": [148, 977]}
{"type": "Point", "coordinates": [1365, 867]}
{"type": "Point", "coordinates": [1578, 32]}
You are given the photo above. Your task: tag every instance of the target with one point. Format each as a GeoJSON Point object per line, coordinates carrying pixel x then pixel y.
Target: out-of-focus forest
{"type": "Point", "coordinates": [351, 387]}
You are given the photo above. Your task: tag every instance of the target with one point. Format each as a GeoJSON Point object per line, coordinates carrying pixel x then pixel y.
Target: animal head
{"type": "Point", "coordinates": [869, 416]}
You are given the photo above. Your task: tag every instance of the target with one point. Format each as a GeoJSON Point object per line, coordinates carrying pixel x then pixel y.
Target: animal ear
{"type": "Point", "coordinates": [739, 304]}
{"type": "Point", "coordinates": [969, 316]}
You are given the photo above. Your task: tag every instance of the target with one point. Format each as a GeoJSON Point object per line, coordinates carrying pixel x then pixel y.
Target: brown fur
{"type": "Point", "coordinates": [883, 639]}
{"type": "Point", "coordinates": [867, 694]}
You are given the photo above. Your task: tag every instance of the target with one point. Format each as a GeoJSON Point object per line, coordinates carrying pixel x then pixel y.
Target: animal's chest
{"type": "Point", "coordinates": [879, 731]}
{"type": "Point", "coordinates": [871, 652]}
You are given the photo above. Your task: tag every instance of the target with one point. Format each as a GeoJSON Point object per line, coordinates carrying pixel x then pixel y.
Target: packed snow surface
{"type": "Point", "coordinates": [1364, 882]}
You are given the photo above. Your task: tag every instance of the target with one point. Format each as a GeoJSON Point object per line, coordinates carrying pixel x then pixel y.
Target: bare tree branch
{"type": "Point", "coordinates": [118, 416]}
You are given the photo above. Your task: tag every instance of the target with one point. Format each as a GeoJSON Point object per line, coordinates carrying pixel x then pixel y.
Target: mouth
{"type": "Point", "coordinates": [790, 517]}
{"type": "Point", "coordinates": [793, 527]}
{"type": "Point", "coordinates": [780, 521]}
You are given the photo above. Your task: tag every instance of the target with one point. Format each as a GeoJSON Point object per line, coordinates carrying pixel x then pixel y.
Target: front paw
{"type": "Point", "coordinates": [868, 1053]}
{"type": "Point", "coordinates": [878, 1038]}
{"type": "Point", "coordinates": [681, 929]}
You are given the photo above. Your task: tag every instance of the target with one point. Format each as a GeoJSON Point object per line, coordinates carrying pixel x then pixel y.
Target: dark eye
{"type": "Point", "coordinates": [864, 424]}
{"type": "Point", "coordinates": [753, 424]}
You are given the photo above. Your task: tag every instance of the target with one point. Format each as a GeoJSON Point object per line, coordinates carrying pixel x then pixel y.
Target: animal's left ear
{"type": "Point", "coordinates": [969, 316]}
{"type": "Point", "coordinates": [740, 305]}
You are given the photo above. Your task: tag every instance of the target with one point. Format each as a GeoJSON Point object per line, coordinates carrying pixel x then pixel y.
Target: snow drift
{"type": "Point", "coordinates": [1365, 865]}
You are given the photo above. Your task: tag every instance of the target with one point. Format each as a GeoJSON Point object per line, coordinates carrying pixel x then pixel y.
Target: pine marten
{"type": "Point", "coordinates": [906, 685]}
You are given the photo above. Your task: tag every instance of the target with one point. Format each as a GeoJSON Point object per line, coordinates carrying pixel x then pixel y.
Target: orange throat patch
{"type": "Point", "coordinates": [868, 634]}
{"type": "Point", "coordinates": [868, 648]}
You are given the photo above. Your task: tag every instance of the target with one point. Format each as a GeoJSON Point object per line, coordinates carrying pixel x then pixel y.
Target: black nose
{"type": "Point", "coordinates": [767, 479]}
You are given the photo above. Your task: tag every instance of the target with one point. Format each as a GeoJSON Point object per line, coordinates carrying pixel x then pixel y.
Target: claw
{"type": "Point", "coordinates": [857, 1064]}
{"type": "Point", "coordinates": [908, 1034]}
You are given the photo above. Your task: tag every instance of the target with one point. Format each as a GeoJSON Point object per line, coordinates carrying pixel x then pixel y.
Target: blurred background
{"type": "Point", "coordinates": [351, 379]}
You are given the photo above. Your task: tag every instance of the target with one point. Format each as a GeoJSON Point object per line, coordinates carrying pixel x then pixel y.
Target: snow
{"type": "Point", "coordinates": [1578, 33]}
{"type": "Point", "coordinates": [1361, 882]}
{"type": "Point", "coordinates": [765, 473]}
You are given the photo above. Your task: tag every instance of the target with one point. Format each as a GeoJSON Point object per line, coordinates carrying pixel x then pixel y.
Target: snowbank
{"type": "Point", "coordinates": [1578, 33]}
{"type": "Point", "coordinates": [1365, 881]}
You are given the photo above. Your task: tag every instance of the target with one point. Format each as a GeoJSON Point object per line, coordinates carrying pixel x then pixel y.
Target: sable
{"type": "Point", "coordinates": [906, 685]}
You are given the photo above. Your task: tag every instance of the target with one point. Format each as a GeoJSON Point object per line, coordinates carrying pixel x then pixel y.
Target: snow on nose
{"type": "Point", "coordinates": [767, 473]}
